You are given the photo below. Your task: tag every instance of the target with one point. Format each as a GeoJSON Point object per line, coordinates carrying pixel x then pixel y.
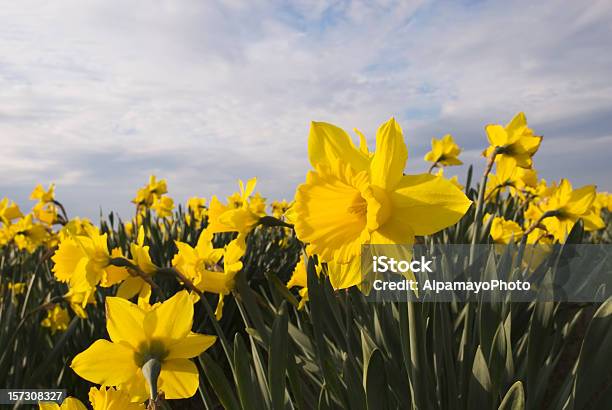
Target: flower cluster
{"type": "Point", "coordinates": [352, 196]}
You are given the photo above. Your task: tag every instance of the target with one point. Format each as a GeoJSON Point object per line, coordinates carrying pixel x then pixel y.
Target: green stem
{"type": "Point", "coordinates": [480, 203]}
{"type": "Point", "coordinates": [431, 168]}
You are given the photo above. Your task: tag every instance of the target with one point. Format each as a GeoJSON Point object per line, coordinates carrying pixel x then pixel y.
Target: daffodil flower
{"type": "Point", "coordinates": [197, 208]}
{"type": "Point", "coordinates": [27, 234]}
{"type": "Point", "coordinates": [81, 261]}
{"type": "Point", "coordinates": [565, 206]}
{"type": "Point", "coordinates": [163, 206]}
{"type": "Point", "coordinates": [132, 285]}
{"type": "Point", "coordinates": [161, 333]}
{"type": "Point", "coordinates": [517, 180]}
{"type": "Point", "coordinates": [57, 319]}
{"type": "Point", "coordinates": [279, 208]}
{"type": "Point", "coordinates": [78, 301]}
{"type": "Point", "coordinates": [352, 198]}
{"type": "Point", "coordinates": [43, 196]}
{"type": "Point", "coordinates": [514, 143]}
{"type": "Point", "coordinates": [444, 151]}
{"type": "Point", "coordinates": [227, 218]}
{"type": "Point", "coordinates": [195, 263]}
{"type": "Point", "coordinates": [504, 231]}
{"type": "Point", "coordinates": [9, 211]}
{"type": "Point", "coordinates": [150, 192]}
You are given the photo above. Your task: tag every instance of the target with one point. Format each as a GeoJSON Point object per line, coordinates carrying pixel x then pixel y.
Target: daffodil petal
{"type": "Point", "coordinates": [328, 143]}
{"type": "Point", "coordinates": [345, 275]}
{"type": "Point", "coordinates": [178, 378]}
{"type": "Point", "coordinates": [497, 135]}
{"type": "Point", "coordinates": [389, 160]}
{"type": "Point", "coordinates": [427, 203]}
{"type": "Point", "coordinates": [171, 319]}
{"type": "Point", "coordinates": [190, 346]}
{"type": "Point", "coordinates": [124, 321]}
{"type": "Point", "coordinates": [130, 287]}
{"type": "Point", "coordinates": [105, 363]}
{"type": "Point", "coordinates": [580, 200]}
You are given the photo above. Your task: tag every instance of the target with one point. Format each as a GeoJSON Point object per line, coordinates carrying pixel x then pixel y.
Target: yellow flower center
{"type": "Point", "coordinates": [100, 258]}
{"type": "Point", "coordinates": [379, 207]}
{"type": "Point", "coordinates": [358, 205]}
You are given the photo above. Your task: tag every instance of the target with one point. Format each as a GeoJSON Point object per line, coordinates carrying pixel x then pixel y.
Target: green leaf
{"type": "Point", "coordinates": [243, 377]}
{"type": "Point", "coordinates": [277, 360]}
{"type": "Point", "coordinates": [356, 396]}
{"type": "Point", "coordinates": [593, 383]}
{"type": "Point", "coordinates": [501, 364]}
{"type": "Point", "coordinates": [514, 399]}
{"type": "Point", "coordinates": [375, 382]}
{"type": "Point", "coordinates": [479, 396]}
{"type": "Point", "coordinates": [218, 381]}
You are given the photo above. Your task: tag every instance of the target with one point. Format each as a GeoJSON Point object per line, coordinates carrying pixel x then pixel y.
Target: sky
{"type": "Point", "coordinates": [95, 96]}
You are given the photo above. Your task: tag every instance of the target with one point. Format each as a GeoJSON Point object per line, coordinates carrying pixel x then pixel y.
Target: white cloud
{"type": "Point", "coordinates": [97, 95]}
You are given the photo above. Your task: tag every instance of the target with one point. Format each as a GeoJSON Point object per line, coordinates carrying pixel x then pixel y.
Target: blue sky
{"type": "Point", "coordinates": [97, 95]}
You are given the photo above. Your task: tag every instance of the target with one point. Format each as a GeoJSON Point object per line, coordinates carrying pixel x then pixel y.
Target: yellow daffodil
{"type": "Point", "coordinates": [163, 206]}
{"type": "Point", "coordinates": [257, 204]}
{"type": "Point", "coordinates": [17, 287]}
{"type": "Point", "coordinates": [352, 198]}
{"type": "Point", "coordinates": [69, 403]}
{"type": "Point", "coordinates": [197, 208]}
{"type": "Point", "coordinates": [81, 261]}
{"type": "Point", "coordinates": [150, 192]}
{"type": "Point", "coordinates": [9, 211]}
{"type": "Point", "coordinates": [161, 334]}
{"type": "Point", "coordinates": [78, 301]}
{"type": "Point", "coordinates": [235, 200]}
{"type": "Point", "coordinates": [43, 196]}
{"type": "Point", "coordinates": [279, 208]}
{"type": "Point", "coordinates": [27, 234]}
{"type": "Point", "coordinates": [114, 274]}
{"type": "Point", "coordinates": [517, 180]}
{"type": "Point", "coordinates": [109, 398]}
{"type": "Point", "coordinates": [131, 283]}
{"type": "Point", "coordinates": [77, 226]}
{"type": "Point", "coordinates": [5, 235]}
{"type": "Point", "coordinates": [222, 283]}
{"type": "Point", "coordinates": [194, 262]}
{"type": "Point", "coordinates": [227, 218]}
{"type": "Point", "coordinates": [515, 143]}
{"type": "Point", "coordinates": [444, 152]}
{"type": "Point", "coordinates": [140, 254]}
{"type": "Point", "coordinates": [200, 265]}
{"type": "Point", "coordinates": [503, 231]}
{"type": "Point", "coordinates": [57, 319]}
{"type": "Point", "coordinates": [45, 212]}
{"type": "Point", "coordinates": [567, 205]}
{"type": "Point", "coordinates": [128, 227]}
{"type": "Point", "coordinates": [299, 279]}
